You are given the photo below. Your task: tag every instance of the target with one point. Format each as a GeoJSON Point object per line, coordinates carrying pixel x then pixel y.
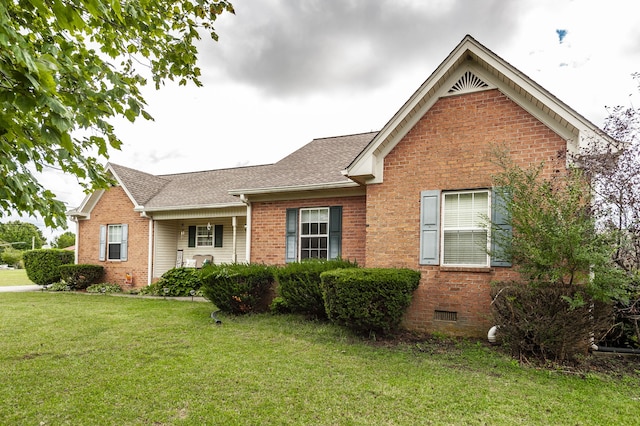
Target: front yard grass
{"type": "Point", "coordinates": [11, 277]}
{"type": "Point", "coordinates": [93, 359]}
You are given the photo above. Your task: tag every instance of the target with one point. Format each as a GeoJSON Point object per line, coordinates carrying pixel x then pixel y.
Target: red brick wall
{"type": "Point", "coordinates": [115, 207]}
{"type": "Point", "coordinates": [448, 149]}
{"type": "Point", "coordinates": [268, 220]}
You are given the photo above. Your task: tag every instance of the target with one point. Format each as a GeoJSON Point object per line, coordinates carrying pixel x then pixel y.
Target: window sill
{"type": "Point", "coordinates": [474, 269]}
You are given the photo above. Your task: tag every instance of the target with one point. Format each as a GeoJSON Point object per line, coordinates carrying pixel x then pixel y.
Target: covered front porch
{"type": "Point", "coordinates": [181, 238]}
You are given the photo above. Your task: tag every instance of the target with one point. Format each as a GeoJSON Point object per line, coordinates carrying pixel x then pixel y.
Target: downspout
{"type": "Point", "coordinates": [491, 335]}
{"type": "Point", "coordinates": [244, 199]}
{"type": "Point", "coordinates": [75, 254]}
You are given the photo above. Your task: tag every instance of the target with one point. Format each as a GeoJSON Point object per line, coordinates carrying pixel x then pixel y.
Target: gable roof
{"type": "Point", "coordinates": [139, 186]}
{"type": "Point", "coordinates": [317, 165]}
{"type": "Point", "coordinates": [469, 67]}
{"type": "Point", "coordinates": [206, 189]}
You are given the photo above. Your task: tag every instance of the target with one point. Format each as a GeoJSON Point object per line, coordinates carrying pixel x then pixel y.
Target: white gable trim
{"type": "Point", "coordinates": [470, 55]}
{"type": "Point", "coordinates": [136, 207]}
{"type": "Point", "coordinates": [84, 210]}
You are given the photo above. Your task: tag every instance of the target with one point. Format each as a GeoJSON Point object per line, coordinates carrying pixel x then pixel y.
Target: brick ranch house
{"type": "Point", "coordinates": [409, 195]}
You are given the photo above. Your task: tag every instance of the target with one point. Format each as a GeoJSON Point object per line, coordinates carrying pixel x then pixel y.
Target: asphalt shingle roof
{"type": "Point", "coordinates": [319, 162]}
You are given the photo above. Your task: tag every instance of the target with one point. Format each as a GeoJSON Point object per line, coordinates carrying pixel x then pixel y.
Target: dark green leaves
{"type": "Point", "coordinates": [54, 88]}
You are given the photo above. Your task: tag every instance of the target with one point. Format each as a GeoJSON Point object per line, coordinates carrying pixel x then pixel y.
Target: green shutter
{"type": "Point", "coordinates": [217, 236]}
{"type": "Point", "coordinates": [124, 244]}
{"type": "Point", "coordinates": [102, 249]}
{"type": "Point", "coordinates": [501, 230]}
{"type": "Point", "coordinates": [192, 236]}
{"type": "Point", "coordinates": [335, 232]}
{"type": "Point", "coordinates": [430, 227]}
{"type": "Point", "coordinates": [291, 243]}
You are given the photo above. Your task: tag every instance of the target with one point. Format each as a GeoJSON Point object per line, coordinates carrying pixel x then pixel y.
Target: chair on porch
{"type": "Point", "coordinates": [201, 259]}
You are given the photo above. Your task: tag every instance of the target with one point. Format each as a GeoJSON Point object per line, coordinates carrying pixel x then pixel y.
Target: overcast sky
{"type": "Point", "coordinates": [284, 72]}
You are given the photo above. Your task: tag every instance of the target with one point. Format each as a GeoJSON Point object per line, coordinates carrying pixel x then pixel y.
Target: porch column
{"type": "Point", "coordinates": [234, 225]}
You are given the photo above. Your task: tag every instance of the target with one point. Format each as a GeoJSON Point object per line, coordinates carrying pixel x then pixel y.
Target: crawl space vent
{"type": "Point", "coordinates": [469, 82]}
{"type": "Point", "coordinates": [445, 316]}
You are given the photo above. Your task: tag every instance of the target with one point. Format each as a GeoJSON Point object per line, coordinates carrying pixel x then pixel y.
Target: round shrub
{"type": "Point", "coordinates": [80, 276]}
{"type": "Point", "coordinates": [238, 288]}
{"type": "Point", "coordinates": [299, 285]}
{"type": "Point", "coordinates": [368, 300]}
{"type": "Point", "coordinates": [42, 265]}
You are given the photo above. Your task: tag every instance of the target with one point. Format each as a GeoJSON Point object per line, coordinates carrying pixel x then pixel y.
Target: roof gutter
{"type": "Point", "coordinates": [294, 188]}
{"type": "Point", "coordinates": [187, 207]}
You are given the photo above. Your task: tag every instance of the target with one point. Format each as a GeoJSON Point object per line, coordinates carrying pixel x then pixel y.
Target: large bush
{"type": "Point", "coordinates": [368, 300]}
{"type": "Point", "coordinates": [542, 321]}
{"type": "Point", "coordinates": [299, 285]}
{"type": "Point", "coordinates": [43, 265]}
{"type": "Point", "coordinates": [79, 277]}
{"type": "Point", "coordinates": [11, 256]}
{"type": "Point", "coordinates": [178, 282]}
{"type": "Point", "coordinates": [238, 288]}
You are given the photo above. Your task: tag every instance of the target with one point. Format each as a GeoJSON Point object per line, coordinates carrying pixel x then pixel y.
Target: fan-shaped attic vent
{"type": "Point", "coordinates": [469, 82]}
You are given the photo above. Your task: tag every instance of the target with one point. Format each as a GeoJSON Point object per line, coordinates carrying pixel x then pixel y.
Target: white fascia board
{"type": "Point", "coordinates": [191, 207]}
{"type": "Point", "coordinates": [293, 188]}
{"type": "Point", "coordinates": [363, 165]}
{"type": "Point", "coordinates": [83, 211]}
{"type": "Point", "coordinates": [586, 129]}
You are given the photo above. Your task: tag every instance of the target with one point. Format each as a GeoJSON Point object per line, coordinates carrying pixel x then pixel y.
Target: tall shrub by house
{"type": "Point", "coordinates": [562, 258]}
{"type": "Point", "coordinates": [42, 265]}
{"type": "Point", "coordinates": [298, 284]}
{"type": "Point", "coordinates": [368, 300]}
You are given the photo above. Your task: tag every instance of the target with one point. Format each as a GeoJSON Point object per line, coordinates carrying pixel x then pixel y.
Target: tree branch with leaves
{"type": "Point", "coordinates": [68, 68]}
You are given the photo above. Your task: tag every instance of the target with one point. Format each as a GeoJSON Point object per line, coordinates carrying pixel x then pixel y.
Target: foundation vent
{"type": "Point", "coordinates": [469, 82]}
{"type": "Point", "coordinates": [445, 316]}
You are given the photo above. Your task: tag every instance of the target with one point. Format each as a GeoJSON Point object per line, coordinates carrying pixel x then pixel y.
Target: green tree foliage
{"type": "Point", "coordinates": [23, 234]}
{"type": "Point", "coordinates": [67, 68]}
{"type": "Point", "coordinates": [554, 232]}
{"type": "Point", "coordinates": [64, 240]}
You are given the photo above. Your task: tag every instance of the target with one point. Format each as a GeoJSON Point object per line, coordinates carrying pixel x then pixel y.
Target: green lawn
{"type": "Point", "coordinates": [75, 359]}
{"type": "Point", "coordinates": [13, 277]}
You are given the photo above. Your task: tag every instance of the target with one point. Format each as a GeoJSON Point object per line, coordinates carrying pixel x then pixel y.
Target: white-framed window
{"type": "Point", "coordinates": [113, 242]}
{"type": "Point", "coordinates": [465, 236]}
{"type": "Point", "coordinates": [314, 233]}
{"type": "Point", "coordinates": [455, 228]}
{"type": "Point", "coordinates": [204, 236]}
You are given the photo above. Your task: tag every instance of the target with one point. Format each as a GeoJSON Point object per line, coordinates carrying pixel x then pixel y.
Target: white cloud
{"type": "Point", "coordinates": [286, 72]}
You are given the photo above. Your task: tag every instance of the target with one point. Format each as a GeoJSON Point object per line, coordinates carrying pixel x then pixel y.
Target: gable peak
{"type": "Point", "coordinates": [468, 82]}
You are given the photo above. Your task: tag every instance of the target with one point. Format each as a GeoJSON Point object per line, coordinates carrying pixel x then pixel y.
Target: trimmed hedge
{"type": "Point", "coordinates": [368, 300]}
{"type": "Point", "coordinates": [299, 285]}
{"type": "Point", "coordinates": [43, 265]}
{"type": "Point", "coordinates": [238, 288]}
{"type": "Point", "coordinates": [179, 282]}
{"type": "Point", "coordinates": [79, 277]}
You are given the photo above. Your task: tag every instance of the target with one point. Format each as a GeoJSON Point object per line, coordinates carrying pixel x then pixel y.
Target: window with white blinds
{"type": "Point", "coordinates": [464, 233]}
